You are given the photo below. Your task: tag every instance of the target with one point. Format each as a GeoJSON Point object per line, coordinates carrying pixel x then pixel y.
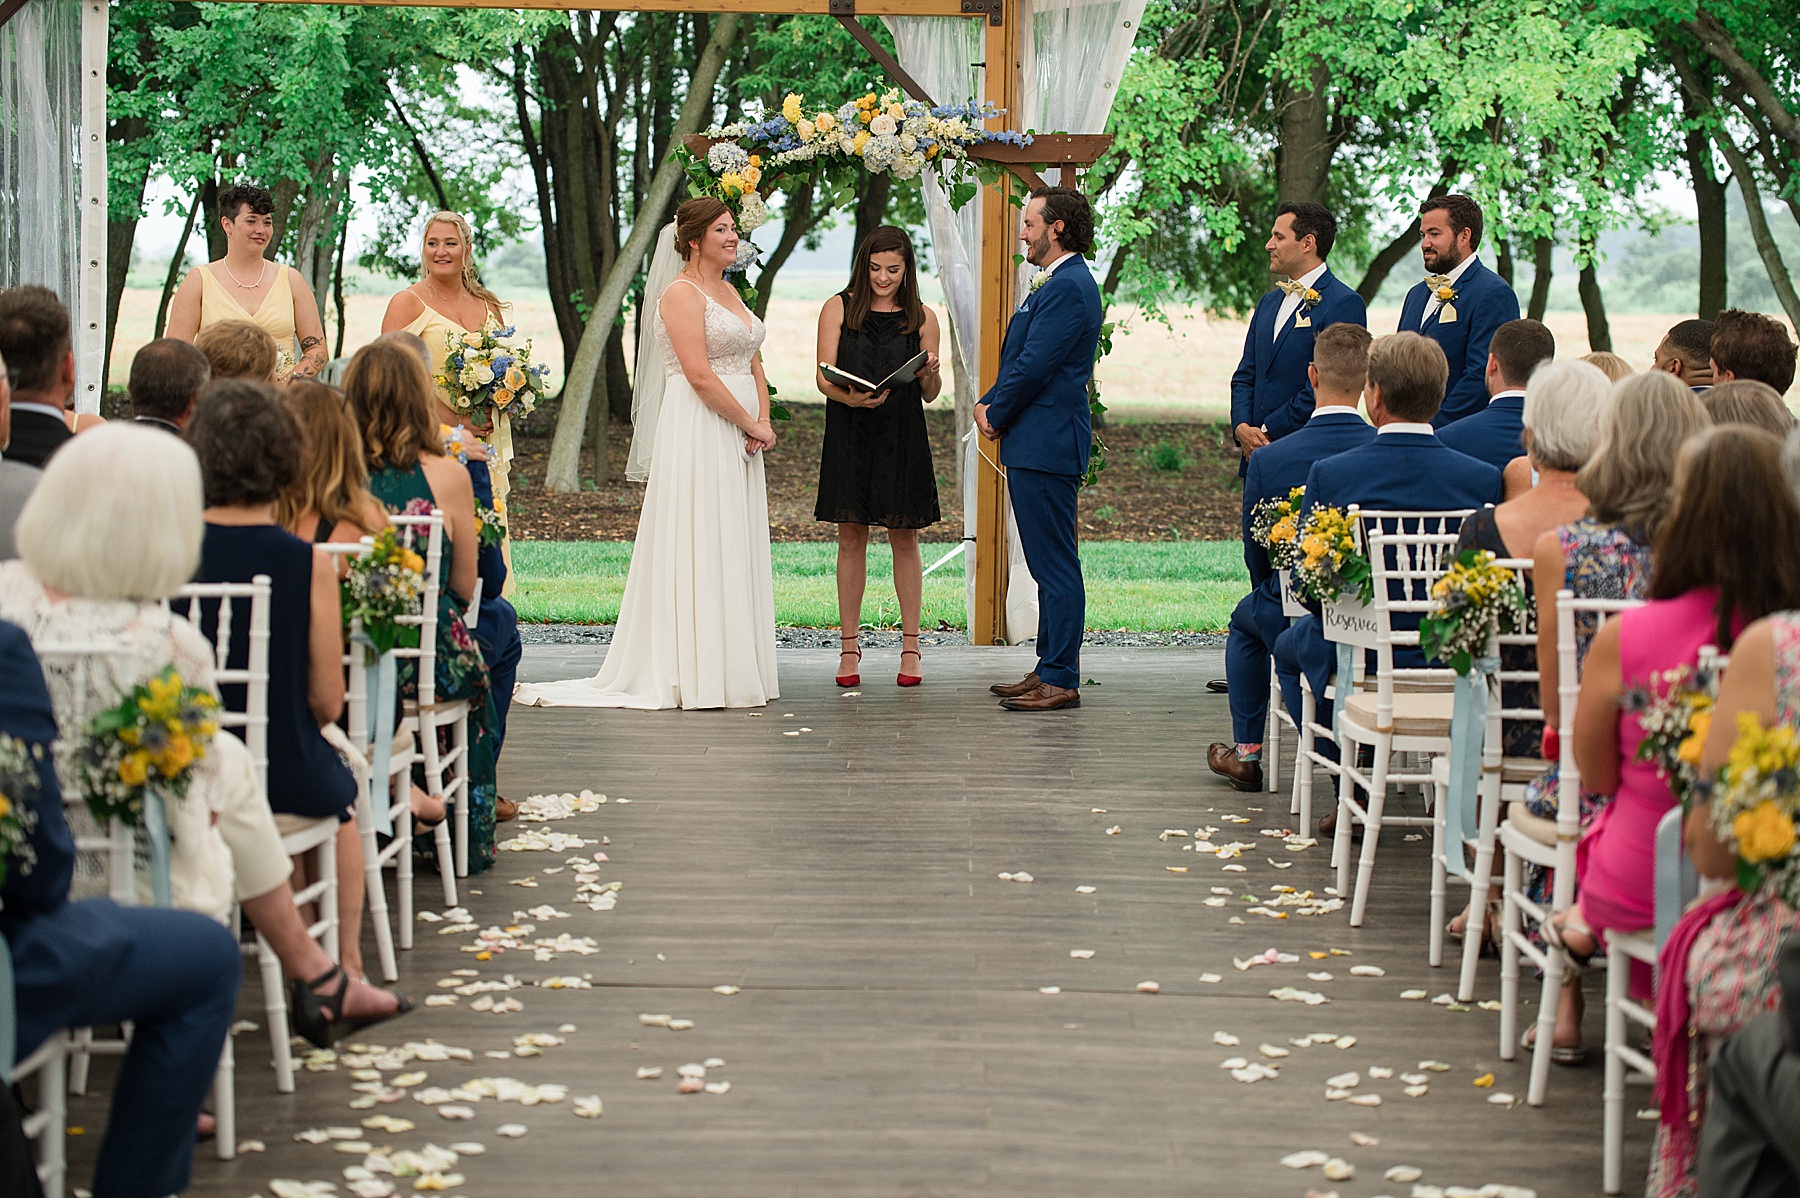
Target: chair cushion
{"type": "Point", "coordinates": [1540, 828]}
{"type": "Point", "coordinates": [1415, 714]}
{"type": "Point", "coordinates": [1519, 770]}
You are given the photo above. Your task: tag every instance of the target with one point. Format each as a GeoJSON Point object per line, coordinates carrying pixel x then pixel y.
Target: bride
{"type": "Point", "coordinates": [697, 624]}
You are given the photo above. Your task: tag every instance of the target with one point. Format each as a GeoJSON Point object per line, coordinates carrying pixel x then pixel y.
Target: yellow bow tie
{"type": "Point", "coordinates": [1292, 287]}
{"type": "Point", "coordinates": [1436, 281]}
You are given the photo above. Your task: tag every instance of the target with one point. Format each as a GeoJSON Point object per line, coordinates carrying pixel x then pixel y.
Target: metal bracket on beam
{"type": "Point", "coordinates": [995, 9]}
{"type": "Point", "coordinates": [842, 8]}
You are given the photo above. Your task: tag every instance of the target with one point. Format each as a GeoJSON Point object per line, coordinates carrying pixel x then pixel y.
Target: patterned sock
{"type": "Point", "coordinates": [1249, 752]}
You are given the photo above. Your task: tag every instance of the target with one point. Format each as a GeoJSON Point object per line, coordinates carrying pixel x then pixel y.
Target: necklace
{"type": "Point", "coordinates": [260, 275]}
{"type": "Point", "coordinates": [439, 291]}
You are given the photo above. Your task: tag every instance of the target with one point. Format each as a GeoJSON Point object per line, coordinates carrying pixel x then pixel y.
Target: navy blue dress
{"type": "Point", "coordinates": [306, 778]}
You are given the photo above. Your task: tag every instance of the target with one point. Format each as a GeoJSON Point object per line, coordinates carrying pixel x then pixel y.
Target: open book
{"type": "Point", "coordinates": [906, 373]}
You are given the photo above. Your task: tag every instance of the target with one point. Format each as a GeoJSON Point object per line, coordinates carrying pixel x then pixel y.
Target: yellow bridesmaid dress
{"type": "Point", "coordinates": [275, 315]}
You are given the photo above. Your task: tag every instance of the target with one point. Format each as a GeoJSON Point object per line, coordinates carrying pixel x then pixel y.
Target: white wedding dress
{"type": "Point", "coordinates": [697, 623]}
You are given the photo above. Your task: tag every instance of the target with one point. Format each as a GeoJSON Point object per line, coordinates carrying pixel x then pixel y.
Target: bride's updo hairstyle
{"type": "Point", "coordinates": [392, 397]}
{"type": "Point", "coordinates": [885, 240]}
{"type": "Point", "coordinates": [693, 219]}
{"type": "Point", "coordinates": [470, 277]}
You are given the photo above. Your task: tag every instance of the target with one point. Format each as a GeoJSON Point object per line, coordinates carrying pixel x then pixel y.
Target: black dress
{"type": "Point", "coordinates": [876, 467]}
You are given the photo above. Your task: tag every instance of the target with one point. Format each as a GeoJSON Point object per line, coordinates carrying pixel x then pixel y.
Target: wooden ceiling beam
{"type": "Point", "coordinates": [874, 8]}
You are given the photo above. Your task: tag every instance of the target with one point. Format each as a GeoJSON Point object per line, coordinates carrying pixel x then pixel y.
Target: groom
{"type": "Point", "coordinates": [1038, 410]}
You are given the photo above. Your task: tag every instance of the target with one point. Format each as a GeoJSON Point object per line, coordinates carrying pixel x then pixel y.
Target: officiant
{"type": "Point", "coordinates": [1270, 396]}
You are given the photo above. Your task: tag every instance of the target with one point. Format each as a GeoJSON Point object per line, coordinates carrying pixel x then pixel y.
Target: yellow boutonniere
{"type": "Point", "coordinates": [1309, 297]}
{"type": "Point", "coordinates": [1446, 293]}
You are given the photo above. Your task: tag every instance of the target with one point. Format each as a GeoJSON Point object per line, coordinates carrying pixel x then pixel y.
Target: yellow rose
{"type": "Point", "coordinates": [807, 129]}
{"type": "Point", "coordinates": [135, 769]}
{"type": "Point", "coordinates": [5, 807]}
{"type": "Point", "coordinates": [1446, 294]}
{"type": "Point", "coordinates": [515, 379]}
{"type": "Point", "coordinates": [1764, 833]}
{"type": "Point", "coordinates": [826, 122]}
{"type": "Point", "coordinates": [1310, 296]}
{"type": "Point", "coordinates": [177, 755]}
{"type": "Point", "coordinates": [790, 108]}
{"type": "Point", "coordinates": [865, 116]}
{"type": "Point", "coordinates": [1690, 749]}
{"type": "Point", "coordinates": [897, 112]}
{"type": "Point", "coordinates": [412, 561]}
{"type": "Point", "coordinates": [756, 161]}
{"type": "Point", "coordinates": [502, 397]}
{"type": "Point", "coordinates": [472, 340]}
{"type": "Point", "coordinates": [752, 176]}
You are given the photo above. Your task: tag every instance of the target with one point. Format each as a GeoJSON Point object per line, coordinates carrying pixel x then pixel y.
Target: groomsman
{"type": "Point", "coordinates": [1339, 368]}
{"type": "Point", "coordinates": [1270, 396]}
{"type": "Point", "coordinates": [1496, 433]}
{"type": "Point", "coordinates": [1403, 468]}
{"type": "Point", "coordinates": [1460, 303]}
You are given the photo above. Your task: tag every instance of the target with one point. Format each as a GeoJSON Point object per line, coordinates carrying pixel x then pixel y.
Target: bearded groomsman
{"type": "Point", "coordinates": [1460, 303]}
{"type": "Point", "coordinates": [1270, 396]}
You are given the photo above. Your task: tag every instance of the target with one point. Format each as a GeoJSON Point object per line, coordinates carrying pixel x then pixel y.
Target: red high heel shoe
{"type": "Point", "coordinates": [903, 678]}
{"type": "Point", "coordinates": [850, 679]}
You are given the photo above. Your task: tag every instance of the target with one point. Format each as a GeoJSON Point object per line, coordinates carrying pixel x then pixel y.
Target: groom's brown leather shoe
{"type": "Point", "coordinates": [1243, 775]}
{"type": "Point", "coordinates": [1044, 697]}
{"type": "Point", "coordinates": [1015, 689]}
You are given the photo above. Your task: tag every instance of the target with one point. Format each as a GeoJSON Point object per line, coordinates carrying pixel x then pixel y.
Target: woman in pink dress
{"type": "Point", "coordinates": [1712, 575]}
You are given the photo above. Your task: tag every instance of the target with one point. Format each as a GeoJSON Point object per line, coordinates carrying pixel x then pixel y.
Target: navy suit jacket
{"type": "Point", "coordinates": [1269, 388]}
{"type": "Point", "coordinates": [1039, 402]}
{"type": "Point", "coordinates": [1493, 434]}
{"type": "Point", "coordinates": [1483, 303]}
{"type": "Point", "coordinates": [1407, 472]}
{"type": "Point", "coordinates": [1280, 466]}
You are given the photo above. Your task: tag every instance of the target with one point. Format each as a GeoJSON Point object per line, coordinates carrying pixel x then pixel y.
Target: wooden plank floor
{"type": "Point", "coordinates": [891, 1037]}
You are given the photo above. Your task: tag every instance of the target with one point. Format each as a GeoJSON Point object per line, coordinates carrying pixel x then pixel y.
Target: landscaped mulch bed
{"type": "Point", "coordinates": [1162, 482]}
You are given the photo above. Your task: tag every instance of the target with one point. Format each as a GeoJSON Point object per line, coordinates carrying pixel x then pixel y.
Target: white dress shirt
{"type": "Point", "coordinates": [1520, 391]}
{"type": "Point", "coordinates": [1291, 303]}
{"type": "Point", "coordinates": [1331, 409]}
{"type": "Point", "coordinates": [42, 409]}
{"type": "Point", "coordinates": [1407, 427]}
{"type": "Point", "coordinates": [1432, 302]}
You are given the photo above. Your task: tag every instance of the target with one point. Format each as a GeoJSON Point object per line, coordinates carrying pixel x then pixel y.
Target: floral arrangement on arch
{"type": "Point", "coordinates": [1275, 525]}
{"type": "Point", "coordinates": [487, 372]}
{"type": "Point", "coordinates": [1675, 712]}
{"type": "Point", "coordinates": [872, 133]}
{"type": "Point", "coordinates": [1474, 599]}
{"type": "Point", "coordinates": [146, 745]}
{"type": "Point", "coordinates": [1329, 563]}
{"type": "Point", "coordinates": [1756, 804]}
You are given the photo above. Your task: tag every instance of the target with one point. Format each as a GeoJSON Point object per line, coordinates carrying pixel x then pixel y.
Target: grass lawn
{"type": "Point", "coordinates": [1163, 586]}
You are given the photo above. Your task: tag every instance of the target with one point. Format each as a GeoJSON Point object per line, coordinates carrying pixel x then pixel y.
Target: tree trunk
{"type": "Point", "coordinates": [1709, 204]}
{"type": "Point", "coordinates": [1396, 250]}
{"type": "Point", "coordinates": [618, 378]}
{"type": "Point", "coordinates": [1303, 154]}
{"type": "Point", "coordinates": [173, 278]}
{"type": "Point", "coordinates": [563, 471]}
{"type": "Point", "coordinates": [1543, 252]}
{"type": "Point", "coordinates": [1594, 304]}
{"type": "Point", "coordinates": [209, 219]}
{"type": "Point", "coordinates": [872, 204]}
{"type": "Point", "coordinates": [337, 279]}
{"type": "Point", "coordinates": [1503, 259]}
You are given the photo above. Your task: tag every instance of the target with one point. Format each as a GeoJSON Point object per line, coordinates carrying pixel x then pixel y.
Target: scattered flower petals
{"type": "Point", "coordinates": [512, 1131]}
{"type": "Point", "coordinates": [728, 991]}
{"type": "Point", "coordinates": [1211, 979]}
{"type": "Point", "coordinates": [1380, 1072]}
{"type": "Point", "coordinates": [1363, 1139]}
{"type": "Point", "coordinates": [1226, 1040]}
{"type": "Point", "coordinates": [1085, 889]}
{"type": "Point", "coordinates": [720, 1087]}
{"type": "Point", "coordinates": [1021, 876]}
{"type": "Point", "coordinates": [1306, 1159]}
{"type": "Point", "coordinates": [1412, 995]}
{"type": "Point", "coordinates": [1404, 1173]}
{"type": "Point", "coordinates": [588, 1108]}
{"type": "Point", "coordinates": [1485, 1080]}
{"type": "Point", "coordinates": [1339, 1169]}
{"type": "Point", "coordinates": [1367, 971]}
{"type": "Point", "coordinates": [1149, 987]}
{"type": "Point", "coordinates": [1114, 830]}
{"type": "Point", "coordinates": [1364, 1100]}
{"type": "Point", "coordinates": [1082, 954]}
{"type": "Point", "coordinates": [1049, 989]}
{"type": "Point", "coordinates": [1501, 1098]}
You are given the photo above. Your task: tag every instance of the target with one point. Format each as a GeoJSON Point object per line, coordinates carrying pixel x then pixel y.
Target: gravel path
{"type": "Point", "coordinates": [826, 638]}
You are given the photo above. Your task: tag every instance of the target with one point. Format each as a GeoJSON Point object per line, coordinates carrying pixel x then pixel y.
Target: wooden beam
{"type": "Point", "coordinates": [874, 8]}
{"type": "Point", "coordinates": [999, 241]}
{"type": "Point", "coordinates": [8, 10]}
{"type": "Point", "coordinates": [1048, 149]}
{"type": "Point", "coordinates": [876, 51]}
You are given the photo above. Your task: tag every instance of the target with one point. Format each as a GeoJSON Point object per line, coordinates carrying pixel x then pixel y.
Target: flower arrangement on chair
{"type": "Point", "coordinates": [1675, 711]}
{"type": "Point", "coordinates": [1329, 564]}
{"type": "Point", "coordinates": [18, 783]}
{"type": "Point", "coordinates": [382, 585]}
{"type": "Point", "coordinates": [1474, 598]}
{"type": "Point", "coordinates": [145, 747]}
{"type": "Point", "coordinates": [1275, 525]}
{"type": "Point", "coordinates": [1756, 803]}
{"type": "Point", "coordinates": [488, 372]}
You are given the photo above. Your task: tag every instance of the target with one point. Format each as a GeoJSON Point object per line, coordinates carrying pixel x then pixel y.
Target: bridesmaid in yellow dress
{"type": "Point", "coordinates": [244, 285]}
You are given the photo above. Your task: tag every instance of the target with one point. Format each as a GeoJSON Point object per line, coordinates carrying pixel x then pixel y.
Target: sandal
{"type": "Point", "coordinates": [1572, 1055]}
{"type": "Point", "coordinates": [320, 1018]}
{"type": "Point", "coordinates": [1553, 935]}
{"type": "Point", "coordinates": [903, 678]}
{"type": "Point", "coordinates": [849, 679]}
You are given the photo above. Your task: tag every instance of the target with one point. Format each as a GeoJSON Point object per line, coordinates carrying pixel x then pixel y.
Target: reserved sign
{"type": "Point", "coordinates": [1291, 607]}
{"type": "Point", "coordinates": [1349, 622]}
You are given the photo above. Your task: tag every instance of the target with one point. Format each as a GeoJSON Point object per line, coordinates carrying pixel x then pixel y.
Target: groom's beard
{"type": "Point", "coordinates": [1037, 251]}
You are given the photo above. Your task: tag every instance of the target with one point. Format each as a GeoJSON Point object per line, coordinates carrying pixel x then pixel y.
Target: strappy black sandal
{"type": "Point", "coordinates": [320, 1018]}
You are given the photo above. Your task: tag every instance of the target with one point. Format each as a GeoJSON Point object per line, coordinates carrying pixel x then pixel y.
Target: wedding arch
{"type": "Point", "coordinates": [1047, 64]}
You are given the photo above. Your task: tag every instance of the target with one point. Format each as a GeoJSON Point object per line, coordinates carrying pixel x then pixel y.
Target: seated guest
{"type": "Point", "coordinates": [173, 974]}
{"type": "Point", "coordinates": [392, 397]}
{"type": "Point", "coordinates": [237, 349]}
{"type": "Point", "coordinates": [1518, 347]}
{"type": "Point", "coordinates": [329, 499]}
{"type": "Point", "coordinates": [1749, 345]}
{"type": "Point", "coordinates": [1714, 573]}
{"type": "Point", "coordinates": [1404, 468]}
{"type": "Point", "coordinates": [16, 478]}
{"type": "Point", "coordinates": [1746, 401]}
{"type": "Point", "coordinates": [113, 529]}
{"type": "Point", "coordinates": [1747, 1144]}
{"type": "Point", "coordinates": [1610, 364]}
{"type": "Point", "coordinates": [1686, 353]}
{"type": "Point", "coordinates": [166, 377]}
{"type": "Point", "coordinates": [1339, 368]}
{"type": "Point", "coordinates": [37, 341]}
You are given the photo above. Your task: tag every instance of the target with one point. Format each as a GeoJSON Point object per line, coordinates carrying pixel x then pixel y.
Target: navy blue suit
{"type": "Point", "coordinates": [1269, 388]}
{"type": "Point", "coordinates": [1483, 303]}
{"type": "Point", "coordinates": [496, 629]}
{"type": "Point", "coordinates": [1039, 406]}
{"type": "Point", "coordinates": [174, 974]}
{"type": "Point", "coordinates": [1408, 472]}
{"type": "Point", "coordinates": [1275, 469]}
{"type": "Point", "coordinates": [1495, 434]}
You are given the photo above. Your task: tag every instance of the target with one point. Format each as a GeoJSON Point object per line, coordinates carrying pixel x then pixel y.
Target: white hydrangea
{"type": "Point", "coordinates": [907, 166]}
{"type": "Point", "coordinates": [879, 152]}
{"type": "Point", "coordinates": [882, 126]}
{"type": "Point", "coordinates": [727, 156]}
{"type": "Point", "coordinates": [753, 215]}
{"type": "Point", "coordinates": [908, 142]}
{"type": "Point", "coordinates": [747, 253]}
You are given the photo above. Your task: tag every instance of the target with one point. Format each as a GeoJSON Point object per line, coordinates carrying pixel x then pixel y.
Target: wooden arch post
{"type": "Point", "coordinates": [987, 625]}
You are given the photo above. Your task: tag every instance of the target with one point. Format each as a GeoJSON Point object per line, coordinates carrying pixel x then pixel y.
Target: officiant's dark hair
{"type": "Point", "coordinates": [885, 240]}
{"type": "Point", "coordinates": [1069, 206]}
{"type": "Point", "coordinates": [1311, 220]}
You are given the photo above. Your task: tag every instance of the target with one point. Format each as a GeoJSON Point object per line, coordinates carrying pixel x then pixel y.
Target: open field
{"type": "Point", "coordinates": [1181, 586]}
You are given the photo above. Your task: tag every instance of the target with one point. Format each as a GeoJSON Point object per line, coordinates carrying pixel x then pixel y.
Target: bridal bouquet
{"type": "Point", "coordinates": [1474, 599]}
{"type": "Point", "coordinates": [1329, 563]}
{"type": "Point", "coordinates": [1275, 525]}
{"type": "Point", "coordinates": [146, 745]}
{"type": "Point", "coordinates": [1675, 711]}
{"type": "Point", "coordinates": [18, 783]}
{"type": "Point", "coordinates": [488, 372]}
{"type": "Point", "coordinates": [382, 585]}
{"type": "Point", "coordinates": [1756, 803]}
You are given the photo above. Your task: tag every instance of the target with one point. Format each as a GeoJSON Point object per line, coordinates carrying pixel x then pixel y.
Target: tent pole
{"type": "Point", "coordinates": [998, 244]}
{"type": "Point", "coordinates": [90, 305]}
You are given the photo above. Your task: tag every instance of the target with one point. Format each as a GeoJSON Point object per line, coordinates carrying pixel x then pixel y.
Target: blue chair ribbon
{"type": "Point", "coordinates": [156, 832]}
{"type": "Point", "coordinates": [1468, 730]}
{"type": "Point", "coordinates": [382, 684]}
{"type": "Point", "coordinates": [9, 1025]}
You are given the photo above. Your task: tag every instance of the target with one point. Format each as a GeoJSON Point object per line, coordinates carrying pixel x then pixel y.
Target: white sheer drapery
{"type": "Point", "coordinates": [40, 148]}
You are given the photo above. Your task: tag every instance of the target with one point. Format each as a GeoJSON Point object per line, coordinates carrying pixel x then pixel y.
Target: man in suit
{"type": "Point", "coordinates": [173, 974]}
{"type": "Point", "coordinates": [17, 480]}
{"type": "Point", "coordinates": [166, 377]}
{"type": "Point", "coordinates": [1339, 368]}
{"type": "Point", "coordinates": [1496, 433]}
{"type": "Point", "coordinates": [1460, 303]}
{"type": "Point", "coordinates": [1404, 468]}
{"type": "Point", "coordinates": [1748, 1145]}
{"type": "Point", "coordinates": [1686, 353]}
{"type": "Point", "coordinates": [1038, 410]}
{"type": "Point", "coordinates": [1749, 345]}
{"type": "Point", "coordinates": [37, 343]}
{"type": "Point", "coordinates": [1270, 395]}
